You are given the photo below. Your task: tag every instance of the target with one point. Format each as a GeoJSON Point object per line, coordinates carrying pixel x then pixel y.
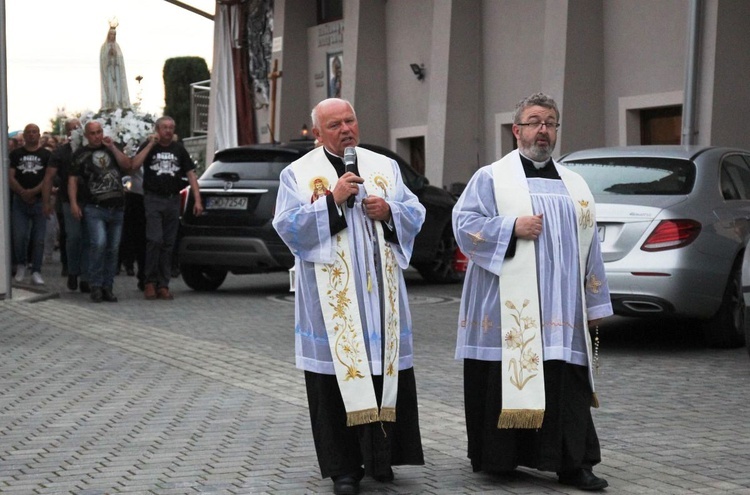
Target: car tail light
{"type": "Point", "coordinates": [184, 199]}
{"type": "Point", "coordinates": [672, 234]}
{"type": "Point", "coordinates": [460, 261]}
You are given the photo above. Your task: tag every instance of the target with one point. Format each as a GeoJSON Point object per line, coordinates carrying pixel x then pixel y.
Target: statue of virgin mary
{"type": "Point", "coordinates": [112, 70]}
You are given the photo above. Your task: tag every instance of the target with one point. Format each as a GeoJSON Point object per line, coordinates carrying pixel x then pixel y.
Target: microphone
{"type": "Point", "coordinates": [350, 158]}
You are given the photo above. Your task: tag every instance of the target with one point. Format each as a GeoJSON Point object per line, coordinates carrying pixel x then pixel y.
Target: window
{"type": "Point", "coordinates": [735, 178]}
{"type": "Point", "coordinates": [636, 175]}
{"type": "Point", "coordinates": [330, 10]}
{"type": "Point", "coordinates": [661, 125]}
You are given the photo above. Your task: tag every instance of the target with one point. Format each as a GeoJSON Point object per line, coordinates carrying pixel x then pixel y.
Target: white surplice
{"type": "Point", "coordinates": [484, 236]}
{"type": "Point", "coordinates": [304, 227]}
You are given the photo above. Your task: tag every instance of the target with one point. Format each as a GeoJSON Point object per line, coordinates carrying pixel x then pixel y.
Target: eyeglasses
{"type": "Point", "coordinates": [535, 126]}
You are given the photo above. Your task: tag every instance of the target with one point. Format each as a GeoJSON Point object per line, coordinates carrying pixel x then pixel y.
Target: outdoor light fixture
{"type": "Point", "coordinates": [304, 133]}
{"type": "Point", "coordinates": [418, 71]}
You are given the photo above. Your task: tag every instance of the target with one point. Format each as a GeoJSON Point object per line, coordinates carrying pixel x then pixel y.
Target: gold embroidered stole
{"type": "Point", "coordinates": [523, 399]}
{"type": "Point", "coordinates": [337, 289]}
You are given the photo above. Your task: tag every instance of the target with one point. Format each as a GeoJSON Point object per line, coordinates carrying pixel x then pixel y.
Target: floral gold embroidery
{"type": "Point", "coordinates": [517, 339]}
{"type": "Point", "coordinates": [348, 350]}
{"type": "Point", "coordinates": [392, 325]}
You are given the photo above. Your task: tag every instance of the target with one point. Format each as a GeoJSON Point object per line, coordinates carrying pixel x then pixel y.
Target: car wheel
{"type": "Point", "coordinates": [203, 278]}
{"type": "Point", "coordinates": [442, 270]}
{"type": "Point", "coordinates": [727, 327]}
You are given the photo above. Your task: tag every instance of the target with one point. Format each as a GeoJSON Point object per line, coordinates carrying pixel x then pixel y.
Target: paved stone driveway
{"type": "Point", "coordinates": [200, 395]}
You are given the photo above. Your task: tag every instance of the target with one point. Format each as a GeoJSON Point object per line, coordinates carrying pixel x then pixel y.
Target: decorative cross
{"type": "Point", "coordinates": [273, 76]}
{"type": "Point", "coordinates": [593, 284]}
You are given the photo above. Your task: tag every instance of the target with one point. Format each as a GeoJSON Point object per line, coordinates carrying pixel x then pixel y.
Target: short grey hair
{"type": "Point", "coordinates": [161, 120]}
{"type": "Point", "coordinates": [314, 113]}
{"type": "Point", "coordinates": [535, 100]}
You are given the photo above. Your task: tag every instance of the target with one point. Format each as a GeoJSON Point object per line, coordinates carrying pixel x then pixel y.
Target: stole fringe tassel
{"type": "Point", "coordinates": [595, 400]}
{"type": "Point", "coordinates": [388, 414]}
{"type": "Point", "coordinates": [521, 418]}
{"type": "Point", "coordinates": [366, 416]}
{"type": "Point", "coordinates": [363, 417]}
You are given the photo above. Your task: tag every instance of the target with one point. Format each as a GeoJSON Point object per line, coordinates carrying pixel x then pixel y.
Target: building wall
{"type": "Point", "coordinates": [645, 46]}
{"type": "Point", "coordinates": [603, 61]}
{"type": "Point", "coordinates": [409, 40]}
{"type": "Point", "coordinates": [731, 97]}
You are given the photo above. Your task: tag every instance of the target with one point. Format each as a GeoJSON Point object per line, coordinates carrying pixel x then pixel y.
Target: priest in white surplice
{"type": "Point", "coordinates": [535, 284]}
{"type": "Point", "coordinates": [352, 230]}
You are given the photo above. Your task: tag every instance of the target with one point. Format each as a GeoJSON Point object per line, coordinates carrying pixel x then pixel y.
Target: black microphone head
{"type": "Point", "coordinates": [350, 155]}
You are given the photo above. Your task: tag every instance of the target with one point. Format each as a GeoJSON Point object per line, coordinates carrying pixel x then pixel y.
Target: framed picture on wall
{"type": "Point", "coordinates": [335, 64]}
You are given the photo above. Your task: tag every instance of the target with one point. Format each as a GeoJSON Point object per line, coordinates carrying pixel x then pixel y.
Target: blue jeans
{"type": "Point", "coordinates": [104, 226]}
{"type": "Point", "coordinates": [28, 219]}
{"type": "Point", "coordinates": [76, 244]}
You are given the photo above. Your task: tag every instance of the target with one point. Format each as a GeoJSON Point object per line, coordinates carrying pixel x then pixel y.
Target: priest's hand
{"type": "Point", "coordinates": [347, 185]}
{"type": "Point", "coordinates": [376, 208]}
{"type": "Point", "coordinates": [529, 227]}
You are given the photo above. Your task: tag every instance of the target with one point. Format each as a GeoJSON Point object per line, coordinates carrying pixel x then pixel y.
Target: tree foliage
{"type": "Point", "coordinates": [179, 73]}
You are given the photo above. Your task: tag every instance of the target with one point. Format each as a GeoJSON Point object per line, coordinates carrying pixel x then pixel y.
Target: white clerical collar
{"type": "Point", "coordinates": [537, 165]}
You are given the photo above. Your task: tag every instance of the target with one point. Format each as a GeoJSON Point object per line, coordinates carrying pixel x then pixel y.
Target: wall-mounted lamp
{"type": "Point", "coordinates": [418, 71]}
{"type": "Point", "coordinates": [304, 132]}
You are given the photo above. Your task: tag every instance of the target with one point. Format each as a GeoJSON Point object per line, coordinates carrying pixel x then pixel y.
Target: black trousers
{"type": "Point", "coordinates": [567, 439]}
{"type": "Point", "coordinates": [133, 242]}
{"type": "Point", "coordinates": [376, 446]}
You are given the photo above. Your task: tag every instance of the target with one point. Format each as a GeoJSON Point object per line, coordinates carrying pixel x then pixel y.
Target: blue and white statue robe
{"type": "Point", "coordinates": [304, 226]}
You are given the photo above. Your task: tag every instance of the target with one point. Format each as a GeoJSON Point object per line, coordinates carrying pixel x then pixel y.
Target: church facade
{"type": "Point", "coordinates": [438, 80]}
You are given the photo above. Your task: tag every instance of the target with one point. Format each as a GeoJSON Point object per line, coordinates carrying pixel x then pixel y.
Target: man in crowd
{"type": "Point", "coordinates": [76, 239]}
{"type": "Point", "coordinates": [353, 327]}
{"type": "Point", "coordinates": [133, 242]}
{"type": "Point", "coordinates": [166, 163]}
{"type": "Point", "coordinates": [28, 165]}
{"type": "Point", "coordinates": [100, 166]}
{"type": "Point", "coordinates": [534, 285]}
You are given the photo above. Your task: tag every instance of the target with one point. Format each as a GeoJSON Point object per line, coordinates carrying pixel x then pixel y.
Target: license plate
{"type": "Point", "coordinates": [226, 203]}
{"type": "Point", "coordinates": [601, 233]}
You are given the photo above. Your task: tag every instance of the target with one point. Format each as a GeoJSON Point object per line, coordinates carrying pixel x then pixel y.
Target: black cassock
{"type": "Point", "coordinates": [344, 449]}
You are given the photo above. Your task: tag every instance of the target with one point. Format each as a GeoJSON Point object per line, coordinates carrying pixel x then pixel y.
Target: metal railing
{"type": "Point", "coordinates": [199, 96]}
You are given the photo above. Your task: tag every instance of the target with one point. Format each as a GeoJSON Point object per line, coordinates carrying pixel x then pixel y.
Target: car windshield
{"type": "Point", "coordinates": [636, 175]}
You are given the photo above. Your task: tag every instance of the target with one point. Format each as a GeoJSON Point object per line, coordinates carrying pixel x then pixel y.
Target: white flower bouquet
{"type": "Point", "coordinates": [127, 128]}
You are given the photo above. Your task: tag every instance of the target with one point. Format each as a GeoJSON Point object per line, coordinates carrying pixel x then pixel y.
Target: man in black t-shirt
{"type": "Point", "coordinates": [100, 166]}
{"type": "Point", "coordinates": [28, 165]}
{"type": "Point", "coordinates": [166, 163]}
{"type": "Point", "coordinates": [76, 241]}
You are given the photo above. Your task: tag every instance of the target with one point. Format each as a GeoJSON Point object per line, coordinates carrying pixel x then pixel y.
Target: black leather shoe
{"type": "Point", "coordinates": [84, 287]}
{"type": "Point", "coordinates": [73, 282]}
{"type": "Point", "coordinates": [107, 295]}
{"type": "Point", "coordinates": [96, 294]}
{"type": "Point", "coordinates": [384, 477]}
{"type": "Point", "coordinates": [583, 479]}
{"type": "Point", "coordinates": [347, 484]}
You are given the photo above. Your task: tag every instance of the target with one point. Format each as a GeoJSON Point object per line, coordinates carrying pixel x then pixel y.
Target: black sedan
{"type": "Point", "coordinates": [235, 235]}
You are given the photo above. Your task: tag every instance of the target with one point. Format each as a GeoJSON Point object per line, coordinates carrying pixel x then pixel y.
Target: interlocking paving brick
{"type": "Point", "coordinates": [200, 395]}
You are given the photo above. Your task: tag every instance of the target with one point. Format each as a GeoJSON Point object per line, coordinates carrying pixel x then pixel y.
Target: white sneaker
{"type": "Point", "coordinates": [20, 273]}
{"type": "Point", "coordinates": [36, 278]}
